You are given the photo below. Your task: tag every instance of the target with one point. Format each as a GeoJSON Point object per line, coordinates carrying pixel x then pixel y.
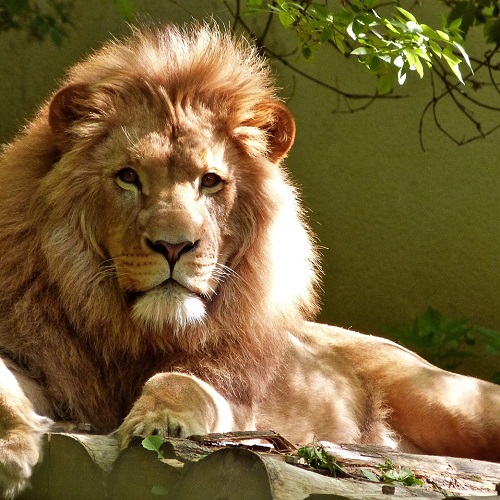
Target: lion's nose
{"type": "Point", "coordinates": [171, 251]}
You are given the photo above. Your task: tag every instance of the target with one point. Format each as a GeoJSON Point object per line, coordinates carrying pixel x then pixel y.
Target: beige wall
{"type": "Point", "coordinates": [402, 229]}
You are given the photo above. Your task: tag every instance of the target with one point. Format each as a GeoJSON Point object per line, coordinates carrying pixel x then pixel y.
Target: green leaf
{"type": "Point", "coordinates": [429, 32]}
{"type": "Point", "coordinates": [255, 7]}
{"type": "Point", "coordinates": [360, 51]}
{"type": "Point", "coordinates": [420, 52]}
{"type": "Point", "coordinates": [286, 18]}
{"type": "Point", "coordinates": [465, 11]}
{"type": "Point", "coordinates": [411, 58]}
{"type": "Point", "coordinates": [322, 12]}
{"type": "Point", "coordinates": [455, 24]}
{"type": "Point", "coordinates": [373, 63]}
{"type": "Point", "coordinates": [153, 443]}
{"type": "Point", "coordinates": [419, 68]}
{"type": "Point", "coordinates": [306, 51]}
{"type": "Point", "coordinates": [325, 35]}
{"type": "Point", "coordinates": [343, 16]}
{"type": "Point", "coordinates": [366, 19]}
{"type": "Point", "coordinates": [450, 57]}
{"type": "Point", "coordinates": [387, 39]}
{"type": "Point", "coordinates": [384, 84]}
{"type": "Point", "coordinates": [443, 35]}
{"type": "Point", "coordinates": [339, 43]}
{"type": "Point", "coordinates": [370, 475]}
{"type": "Point", "coordinates": [407, 14]}
{"type": "Point", "coordinates": [435, 48]}
{"type": "Point", "coordinates": [390, 26]}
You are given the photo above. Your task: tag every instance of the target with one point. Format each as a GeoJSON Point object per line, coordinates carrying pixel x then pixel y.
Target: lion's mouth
{"type": "Point", "coordinates": [169, 304]}
{"type": "Point", "coordinates": [166, 287]}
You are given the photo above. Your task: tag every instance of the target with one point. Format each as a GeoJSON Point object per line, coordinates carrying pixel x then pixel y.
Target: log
{"type": "Point", "coordinates": [460, 476]}
{"type": "Point", "coordinates": [82, 466]}
{"type": "Point", "coordinates": [74, 466]}
{"type": "Point", "coordinates": [240, 474]}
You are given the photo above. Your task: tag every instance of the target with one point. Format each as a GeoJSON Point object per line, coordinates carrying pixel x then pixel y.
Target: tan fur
{"type": "Point", "coordinates": [166, 301]}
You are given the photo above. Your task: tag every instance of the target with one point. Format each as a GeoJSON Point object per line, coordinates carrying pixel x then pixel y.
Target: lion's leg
{"type": "Point", "coordinates": [20, 432]}
{"type": "Point", "coordinates": [177, 405]}
{"type": "Point", "coordinates": [439, 412]}
{"type": "Point", "coordinates": [445, 413]}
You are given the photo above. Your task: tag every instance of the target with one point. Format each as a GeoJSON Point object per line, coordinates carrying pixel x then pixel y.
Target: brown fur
{"type": "Point", "coordinates": [88, 316]}
{"type": "Point", "coordinates": [61, 284]}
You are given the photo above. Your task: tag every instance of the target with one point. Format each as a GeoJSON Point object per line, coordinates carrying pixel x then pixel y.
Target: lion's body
{"type": "Point", "coordinates": [156, 271]}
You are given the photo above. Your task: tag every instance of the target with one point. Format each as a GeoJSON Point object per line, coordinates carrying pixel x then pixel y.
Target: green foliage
{"type": "Point", "coordinates": [483, 13]}
{"type": "Point", "coordinates": [389, 46]}
{"type": "Point", "coordinates": [153, 443]}
{"type": "Point", "coordinates": [393, 474]}
{"type": "Point", "coordinates": [318, 457]}
{"type": "Point", "coordinates": [40, 20]}
{"type": "Point", "coordinates": [47, 19]}
{"type": "Point", "coordinates": [445, 342]}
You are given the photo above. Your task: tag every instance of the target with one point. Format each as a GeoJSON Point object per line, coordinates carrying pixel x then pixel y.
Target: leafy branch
{"type": "Point", "coordinates": [386, 38]}
{"type": "Point", "coordinates": [484, 86]}
{"type": "Point", "coordinates": [47, 19]}
{"type": "Point", "coordinates": [391, 43]}
{"type": "Point", "coordinates": [40, 20]}
{"type": "Point", "coordinates": [389, 47]}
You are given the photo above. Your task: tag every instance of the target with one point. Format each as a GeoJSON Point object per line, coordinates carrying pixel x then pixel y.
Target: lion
{"type": "Point", "coordinates": [158, 275]}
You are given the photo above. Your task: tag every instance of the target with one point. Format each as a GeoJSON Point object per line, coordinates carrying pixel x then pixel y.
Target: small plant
{"type": "Point", "coordinates": [445, 342]}
{"type": "Point", "coordinates": [391, 473]}
{"type": "Point", "coordinates": [153, 443]}
{"type": "Point", "coordinates": [317, 456]}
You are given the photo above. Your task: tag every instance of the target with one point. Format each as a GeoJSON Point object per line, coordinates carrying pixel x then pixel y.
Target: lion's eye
{"type": "Point", "coordinates": [210, 180]}
{"type": "Point", "coordinates": [128, 176]}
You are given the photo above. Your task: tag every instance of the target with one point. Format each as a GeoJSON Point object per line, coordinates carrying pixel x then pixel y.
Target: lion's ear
{"type": "Point", "coordinates": [276, 130]}
{"type": "Point", "coordinates": [280, 132]}
{"type": "Point", "coordinates": [70, 104]}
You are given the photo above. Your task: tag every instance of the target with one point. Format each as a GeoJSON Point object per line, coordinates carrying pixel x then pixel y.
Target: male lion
{"type": "Point", "coordinates": [157, 274]}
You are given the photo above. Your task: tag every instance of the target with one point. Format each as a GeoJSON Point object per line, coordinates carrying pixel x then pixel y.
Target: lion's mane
{"type": "Point", "coordinates": [62, 311]}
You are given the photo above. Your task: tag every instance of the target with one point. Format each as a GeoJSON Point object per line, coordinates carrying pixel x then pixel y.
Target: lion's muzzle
{"type": "Point", "coordinates": [171, 251]}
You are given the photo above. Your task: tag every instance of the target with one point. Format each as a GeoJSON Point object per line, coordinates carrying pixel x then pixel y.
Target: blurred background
{"type": "Point", "coordinates": [407, 220]}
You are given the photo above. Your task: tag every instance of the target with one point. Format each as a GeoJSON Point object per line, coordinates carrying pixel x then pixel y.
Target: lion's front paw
{"type": "Point", "coordinates": [176, 405]}
{"type": "Point", "coordinates": [142, 421]}
{"type": "Point", "coordinates": [19, 453]}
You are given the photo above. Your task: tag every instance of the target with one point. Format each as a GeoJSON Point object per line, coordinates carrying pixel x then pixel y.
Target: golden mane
{"type": "Point", "coordinates": [58, 286]}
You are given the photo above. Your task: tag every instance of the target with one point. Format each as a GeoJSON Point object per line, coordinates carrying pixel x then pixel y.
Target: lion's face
{"type": "Point", "coordinates": [169, 191]}
{"type": "Point", "coordinates": [165, 198]}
